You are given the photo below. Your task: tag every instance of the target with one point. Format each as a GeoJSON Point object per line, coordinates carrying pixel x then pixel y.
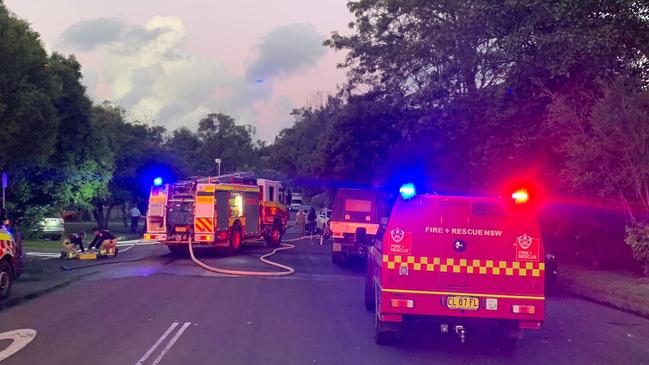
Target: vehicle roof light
{"type": "Point", "coordinates": [521, 196]}
{"type": "Point", "coordinates": [407, 191]}
{"type": "Point", "coordinates": [157, 181]}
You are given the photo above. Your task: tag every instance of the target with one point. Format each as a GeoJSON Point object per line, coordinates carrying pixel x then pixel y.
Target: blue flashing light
{"type": "Point", "coordinates": [407, 191]}
{"type": "Point", "coordinates": [157, 181]}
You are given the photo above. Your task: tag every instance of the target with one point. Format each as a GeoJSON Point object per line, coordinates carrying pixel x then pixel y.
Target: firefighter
{"type": "Point", "coordinates": [104, 240]}
{"type": "Point", "coordinates": [72, 241]}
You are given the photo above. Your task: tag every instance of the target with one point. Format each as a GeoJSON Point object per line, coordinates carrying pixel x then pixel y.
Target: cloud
{"type": "Point", "coordinates": [286, 50]}
{"type": "Point", "coordinates": [89, 34]}
{"type": "Point", "coordinates": [149, 71]}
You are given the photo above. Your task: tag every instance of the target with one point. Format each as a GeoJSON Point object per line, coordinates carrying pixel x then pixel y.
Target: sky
{"type": "Point", "coordinates": [170, 63]}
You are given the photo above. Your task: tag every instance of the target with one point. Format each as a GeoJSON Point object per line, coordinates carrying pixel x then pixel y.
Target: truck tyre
{"type": "Point", "coordinates": [6, 279]}
{"type": "Point", "coordinates": [337, 258]}
{"type": "Point", "coordinates": [275, 237]}
{"type": "Point", "coordinates": [382, 335]}
{"type": "Point", "coordinates": [236, 239]}
{"type": "Point", "coordinates": [369, 294]}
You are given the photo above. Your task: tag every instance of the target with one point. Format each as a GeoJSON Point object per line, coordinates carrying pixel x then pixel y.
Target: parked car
{"type": "Point", "coordinates": [323, 219]}
{"type": "Point", "coordinates": [52, 228]}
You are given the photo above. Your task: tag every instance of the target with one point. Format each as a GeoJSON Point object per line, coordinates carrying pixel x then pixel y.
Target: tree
{"type": "Point", "coordinates": [481, 75]}
{"type": "Point", "coordinates": [607, 153]}
{"type": "Point", "coordinates": [47, 145]}
{"type": "Point", "coordinates": [135, 149]}
{"type": "Point", "coordinates": [221, 138]}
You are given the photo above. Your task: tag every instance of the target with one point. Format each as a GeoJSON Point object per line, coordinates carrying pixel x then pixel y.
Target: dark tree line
{"type": "Point", "coordinates": [463, 95]}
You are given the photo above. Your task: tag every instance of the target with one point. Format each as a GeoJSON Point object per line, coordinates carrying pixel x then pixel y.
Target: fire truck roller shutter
{"type": "Point", "coordinates": [222, 208]}
{"type": "Point", "coordinates": [251, 212]}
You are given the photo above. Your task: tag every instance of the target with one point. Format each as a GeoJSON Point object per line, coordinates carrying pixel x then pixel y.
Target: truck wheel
{"type": "Point", "coordinates": [275, 237]}
{"type": "Point", "coordinates": [369, 294]}
{"type": "Point", "coordinates": [382, 335]}
{"type": "Point", "coordinates": [6, 279]}
{"type": "Point", "coordinates": [337, 258]}
{"type": "Point", "coordinates": [235, 239]}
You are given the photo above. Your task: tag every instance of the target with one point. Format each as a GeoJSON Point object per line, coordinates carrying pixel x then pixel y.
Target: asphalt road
{"type": "Point", "coordinates": [115, 314]}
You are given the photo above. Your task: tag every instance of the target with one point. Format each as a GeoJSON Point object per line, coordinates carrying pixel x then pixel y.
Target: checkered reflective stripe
{"type": "Point", "coordinates": [468, 266]}
{"type": "Point", "coordinates": [7, 247]}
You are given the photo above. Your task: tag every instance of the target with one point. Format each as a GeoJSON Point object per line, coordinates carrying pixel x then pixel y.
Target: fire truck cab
{"type": "Point", "coordinates": [354, 222]}
{"type": "Point", "coordinates": [219, 212]}
{"type": "Point", "coordinates": [461, 262]}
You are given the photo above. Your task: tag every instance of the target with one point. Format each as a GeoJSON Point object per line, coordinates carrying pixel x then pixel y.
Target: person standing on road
{"type": "Point", "coordinates": [135, 218]}
{"type": "Point", "coordinates": [300, 219]}
{"type": "Point", "coordinates": [311, 217]}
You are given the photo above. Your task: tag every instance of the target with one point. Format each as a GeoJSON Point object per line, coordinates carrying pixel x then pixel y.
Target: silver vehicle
{"type": "Point", "coordinates": [323, 218]}
{"type": "Point", "coordinates": [52, 228]}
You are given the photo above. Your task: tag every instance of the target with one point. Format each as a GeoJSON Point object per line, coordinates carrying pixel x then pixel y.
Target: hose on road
{"type": "Point", "coordinates": [264, 259]}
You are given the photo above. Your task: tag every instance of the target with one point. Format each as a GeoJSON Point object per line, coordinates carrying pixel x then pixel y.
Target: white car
{"type": "Point", "coordinates": [51, 228]}
{"type": "Point", "coordinates": [323, 218]}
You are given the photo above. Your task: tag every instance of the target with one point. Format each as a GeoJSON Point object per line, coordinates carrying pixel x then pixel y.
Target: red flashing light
{"type": "Point", "coordinates": [521, 196]}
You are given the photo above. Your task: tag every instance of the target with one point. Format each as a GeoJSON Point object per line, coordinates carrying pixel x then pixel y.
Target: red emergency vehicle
{"type": "Point", "coordinates": [354, 222]}
{"type": "Point", "coordinates": [219, 212]}
{"type": "Point", "coordinates": [460, 261]}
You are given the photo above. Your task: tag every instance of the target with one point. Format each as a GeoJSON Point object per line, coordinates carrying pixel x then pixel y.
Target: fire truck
{"type": "Point", "coordinates": [222, 211]}
{"type": "Point", "coordinates": [461, 262]}
{"type": "Point", "coordinates": [11, 259]}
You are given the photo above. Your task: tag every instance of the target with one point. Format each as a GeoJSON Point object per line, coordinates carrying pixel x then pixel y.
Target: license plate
{"type": "Point", "coordinates": [464, 303]}
{"type": "Point", "coordinates": [181, 229]}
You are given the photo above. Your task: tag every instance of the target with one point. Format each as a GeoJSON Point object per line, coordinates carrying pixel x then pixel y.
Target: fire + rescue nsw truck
{"type": "Point", "coordinates": [219, 212]}
{"type": "Point", "coordinates": [463, 262]}
{"type": "Point", "coordinates": [354, 221]}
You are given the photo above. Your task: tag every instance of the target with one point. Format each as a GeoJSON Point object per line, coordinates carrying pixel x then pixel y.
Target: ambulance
{"type": "Point", "coordinates": [463, 263]}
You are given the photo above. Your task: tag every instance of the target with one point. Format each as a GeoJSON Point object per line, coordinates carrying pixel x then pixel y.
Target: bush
{"type": "Point", "coordinates": [637, 237]}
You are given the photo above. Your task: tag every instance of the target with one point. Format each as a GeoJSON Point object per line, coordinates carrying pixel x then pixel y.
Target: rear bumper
{"type": "Point", "coordinates": [396, 305]}
{"type": "Point", "coordinates": [349, 248]}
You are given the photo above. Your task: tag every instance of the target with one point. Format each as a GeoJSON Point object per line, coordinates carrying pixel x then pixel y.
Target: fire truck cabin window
{"type": "Point", "coordinates": [236, 205]}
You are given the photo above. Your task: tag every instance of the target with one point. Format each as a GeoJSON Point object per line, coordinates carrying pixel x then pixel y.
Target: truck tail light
{"type": "Point", "coordinates": [204, 238]}
{"type": "Point", "coordinates": [523, 309]}
{"type": "Point", "coordinates": [402, 303]}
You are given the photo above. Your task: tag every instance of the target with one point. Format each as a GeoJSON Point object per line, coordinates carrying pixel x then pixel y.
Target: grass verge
{"type": "Point", "coordinates": [617, 289]}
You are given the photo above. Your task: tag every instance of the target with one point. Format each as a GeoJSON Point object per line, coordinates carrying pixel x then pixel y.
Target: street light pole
{"type": "Point", "coordinates": [218, 164]}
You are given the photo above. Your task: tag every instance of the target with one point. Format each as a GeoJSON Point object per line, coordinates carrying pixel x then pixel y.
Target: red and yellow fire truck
{"type": "Point", "coordinates": [220, 212]}
{"type": "Point", "coordinates": [459, 261]}
{"type": "Point", "coordinates": [354, 222]}
{"type": "Point", "coordinates": [11, 259]}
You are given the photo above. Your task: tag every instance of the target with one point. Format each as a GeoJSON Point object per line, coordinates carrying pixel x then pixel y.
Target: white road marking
{"type": "Point", "coordinates": [20, 338]}
{"type": "Point", "coordinates": [157, 343]}
{"type": "Point", "coordinates": [172, 342]}
{"type": "Point", "coordinates": [43, 254]}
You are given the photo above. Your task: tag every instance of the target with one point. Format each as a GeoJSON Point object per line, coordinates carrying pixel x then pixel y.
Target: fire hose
{"type": "Point", "coordinates": [264, 259]}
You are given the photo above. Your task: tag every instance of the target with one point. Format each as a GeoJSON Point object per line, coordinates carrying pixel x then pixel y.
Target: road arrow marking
{"type": "Point", "coordinates": [19, 339]}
